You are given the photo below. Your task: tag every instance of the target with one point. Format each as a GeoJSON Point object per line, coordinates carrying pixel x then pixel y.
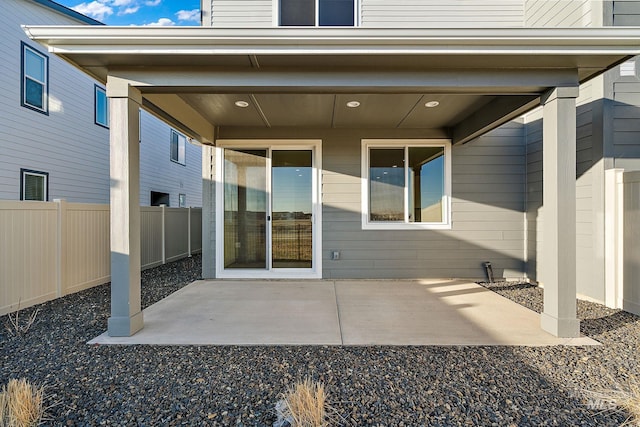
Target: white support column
{"type": "Point", "coordinates": [559, 200]}
{"type": "Point", "coordinates": [126, 314]}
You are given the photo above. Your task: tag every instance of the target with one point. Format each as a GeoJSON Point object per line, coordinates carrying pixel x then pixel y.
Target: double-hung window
{"type": "Point", "coordinates": [406, 184]}
{"type": "Point", "coordinates": [35, 80]}
{"type": "Point", "coordinates": [334, 13]}
{"type": "Point", "coordinates": [101, 107]}
{"type": "Point", "coordinates": [178, 147]}
{"type": "Point", "coordinates": [34, 185]}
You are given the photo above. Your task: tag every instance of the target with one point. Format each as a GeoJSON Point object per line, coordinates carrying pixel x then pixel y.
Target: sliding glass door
{"type": "Point", "coordinates": [269, 199]}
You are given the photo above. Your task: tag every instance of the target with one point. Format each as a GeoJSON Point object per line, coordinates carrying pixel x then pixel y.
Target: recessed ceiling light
{"type": "Point", "coordinates": [432, 104]}
{"type": "Point", "coordinates": [242, 104]}
{"type": "Point", "coordinates": [353, 104]}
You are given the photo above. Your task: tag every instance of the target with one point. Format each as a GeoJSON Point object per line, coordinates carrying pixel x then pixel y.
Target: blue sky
{"type": "Point", "coordinates": [139, 12]}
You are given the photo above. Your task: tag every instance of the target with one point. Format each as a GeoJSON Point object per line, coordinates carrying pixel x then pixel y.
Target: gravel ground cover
{"type": "Point", "coordinates": [378, 386]}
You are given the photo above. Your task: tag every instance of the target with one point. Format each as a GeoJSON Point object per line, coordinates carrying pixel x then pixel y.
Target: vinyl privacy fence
{"type": "Point", "coordinates": [52, 249]}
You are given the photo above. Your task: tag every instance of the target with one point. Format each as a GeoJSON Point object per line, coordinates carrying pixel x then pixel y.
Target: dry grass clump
{"type": "Point", "coordinates": [305, 404]}
{"type": "Point", "coordinates": [622, 399]}
{"type": "Point", "coordinates": [21, 404]}
{"type": "Point", "coordinates": [19, 326]}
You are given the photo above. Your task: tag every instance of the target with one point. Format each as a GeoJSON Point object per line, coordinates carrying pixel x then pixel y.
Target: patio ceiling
{"type": "Point", "coordinates": [305, 77]}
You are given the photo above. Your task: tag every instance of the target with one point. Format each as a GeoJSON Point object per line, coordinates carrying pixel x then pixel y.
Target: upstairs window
{"type": "Point", "coordinates": [101, 113]}
{"type": "Point", "coordinates": [323, 13]}
{"type": "Point", "coordinates": [35, 75]}
{"type": "Point", "coordinates": [407, 184]}
{"type": "Point", "coordinates": [34, 185]}
{"type": "Point", "coordinates": [178, 147]}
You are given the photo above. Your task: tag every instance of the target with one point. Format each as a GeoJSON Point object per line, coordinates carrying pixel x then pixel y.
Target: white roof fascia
{"type": "Point", "coordinates": [352, 41]}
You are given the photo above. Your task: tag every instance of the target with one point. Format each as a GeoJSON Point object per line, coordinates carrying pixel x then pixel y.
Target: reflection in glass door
{"type": "Point", "coordinates": [291, 209]}
{"type": "Point", "coordinates": [267, 203]}
{"type": "Point", "coordinates": [245, 209]}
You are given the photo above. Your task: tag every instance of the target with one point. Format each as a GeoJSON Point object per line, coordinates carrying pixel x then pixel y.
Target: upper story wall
{"type": "Point", "coordinates": [379, 13]}
{"type": "Point", "coordinates": [563, 13]}
{"type": "Point", "coordinates": [66, 143]}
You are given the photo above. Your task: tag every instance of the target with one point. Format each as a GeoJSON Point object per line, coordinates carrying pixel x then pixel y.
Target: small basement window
{"type": "Point", "coordinates": [34, 185]}
{"type": "Point", "coordinates": [158, 198]}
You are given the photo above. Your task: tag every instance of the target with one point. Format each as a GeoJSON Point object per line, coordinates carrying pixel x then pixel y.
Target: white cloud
{"type": "Point", "coordinates": [121, 2]}
{"type": "Point", "coordinates": [162, 22]}
{"type": "Point", "coordinates": [189, 15]}
{"type": "Point", "coordinates": [152, 2]}
{"type": "Point", "coordinates": [95, 9]}
{"type": "Point", "coordinates": [129, 10]}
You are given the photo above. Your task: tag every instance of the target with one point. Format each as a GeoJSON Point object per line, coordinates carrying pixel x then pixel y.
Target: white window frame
{"type": "Point", "coordinates": [182, 200]}
{"type": "Point", "coordinates": [367, 224]}
{"type": "Point", "coordinates": [45, 191]}
{"type": "Point", "coordinates": [24, 76]}
{"type": "Point", "coordinates": [97, 89]}
{"type": "Point", "coordinates": [356, 14]}
{"type": "Point", "coordinates": [182, 148]}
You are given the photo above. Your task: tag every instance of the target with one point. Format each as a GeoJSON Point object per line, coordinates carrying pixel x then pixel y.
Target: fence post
{"type": "Point", "coordinates": [164, 250]}
{"type": "Point", "coordinates": [613, 232]}
{"type": "Point", "coordinates": [189, 231]}
{"type": "Point", "coordinates": [60, 245]}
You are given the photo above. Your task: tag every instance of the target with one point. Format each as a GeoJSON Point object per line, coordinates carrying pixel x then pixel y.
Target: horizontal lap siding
{"type": "Point", "coordinates": [439, 14]}
{"type": "Point", "coordinates": [242, 13]}
{"type": "Point", "coordinates": [159, 173]}
{"type": "Point", "coordinates": [488, 208]}
{"type": "Point", "coordinates": [626, 13]}
{"type": "Point", "coordinates": [66, 143]}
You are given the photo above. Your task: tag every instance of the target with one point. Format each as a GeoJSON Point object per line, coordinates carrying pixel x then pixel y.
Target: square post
{"type": "Point", "coordinates": [126, 315]}
{"type": "Point", "coordinates": [559, 224]}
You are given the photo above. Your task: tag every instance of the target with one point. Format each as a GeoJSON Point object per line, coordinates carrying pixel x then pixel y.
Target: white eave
{"type": "Point", "coordinates": [205, 40]}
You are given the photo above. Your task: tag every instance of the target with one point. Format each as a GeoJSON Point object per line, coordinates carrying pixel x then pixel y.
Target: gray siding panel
{"type": "Point", "coordinates": [487, 209]}
{"type": "Point", "coordinates": [242, 13]}
{"type": "Point", "coordinates": [442, 14]}
{"type": "Point", "coordinates": [67, 143]}
{"type": "Point", "coordinates": [626, 13]}
{"type": "Point", "coordinates": [626, 118]}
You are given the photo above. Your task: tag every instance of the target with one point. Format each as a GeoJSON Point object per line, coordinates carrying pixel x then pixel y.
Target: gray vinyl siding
{"type": "Point", "coordinates": [562, 13]}
{"type": "Point", "coordinates": [626, 13]}
{"type": "Point", "coordinates": [626, 121]}
{"type": "Point", "coordinates": [385, 13]}
{"type": "Point", "coordinates": [66, 143]}
{"type": "Point", "coordinates": [625, 91]}
{"type": "Point", "coordinates": [242, 13]}
{"type": "Point", "coordinates": [159, 173]}
{"type": "Point", "coordinates": [442, 14]}
{"type": "Point", "coordinates": [589, 197]}
{"type": "Point", "coordinates": [488, 184]}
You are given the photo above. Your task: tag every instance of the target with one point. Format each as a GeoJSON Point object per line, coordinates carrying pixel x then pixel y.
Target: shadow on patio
{"type": "Point", "coordinates": [339, 312]}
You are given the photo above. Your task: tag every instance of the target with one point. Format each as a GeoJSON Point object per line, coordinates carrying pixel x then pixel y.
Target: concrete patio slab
{"type": "Point", "coordinates": [339, 312]}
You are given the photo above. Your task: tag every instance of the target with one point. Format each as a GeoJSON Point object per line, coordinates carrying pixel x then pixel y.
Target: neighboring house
{"type": "Point", "coordinates": [379, 151]}
{"type": "Point", "coordinates": [54, 125]}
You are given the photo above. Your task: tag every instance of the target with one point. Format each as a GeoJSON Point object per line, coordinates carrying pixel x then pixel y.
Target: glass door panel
{"type": "Point", "coordinates": [245, 209]}
{"type": "Point", "coordinates": [291, 207]}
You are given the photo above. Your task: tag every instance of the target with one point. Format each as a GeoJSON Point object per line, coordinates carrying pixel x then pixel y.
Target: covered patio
{"type": "Point", "coordinates": [298, 78]}
{"type": "Point", "coordinates": [339, 312]}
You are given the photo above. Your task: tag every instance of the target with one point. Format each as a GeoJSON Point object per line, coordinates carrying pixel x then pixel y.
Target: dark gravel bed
{"type": "Point", "coordinates": [384, 386]}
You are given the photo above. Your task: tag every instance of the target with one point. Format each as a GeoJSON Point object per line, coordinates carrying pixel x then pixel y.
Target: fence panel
{"type": "Point", "coordinates": [176, 229]}
{"type": "Point", "coordinates": [631, 292]}
{"type": "Point", "coordinates": [196, 230]}
{"type": "Point", "coordinates": [28, 251]}
{"type": "Point", "coordinates": [150, 236]}
{"type": "Point", "coordinates": [85, 245]}
{"type": "Point", "coordinates": [51, 249]}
